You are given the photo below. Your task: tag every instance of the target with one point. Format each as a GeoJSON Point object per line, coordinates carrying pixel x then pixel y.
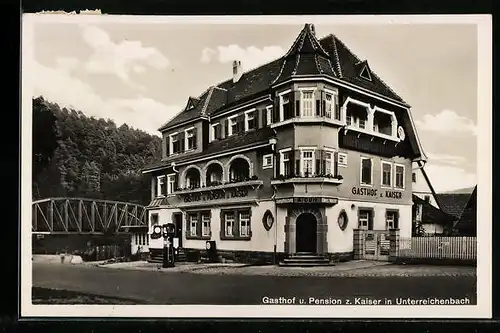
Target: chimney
{"type": "Point", "coordinates": [237, 71]}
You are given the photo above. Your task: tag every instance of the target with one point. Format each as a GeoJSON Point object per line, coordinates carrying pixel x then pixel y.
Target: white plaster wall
{"type": "Point", "coordinates": [262, 240]}
{"type": "Point", "coordinates": [164, 216]}
{"type": "Point", "coordinates": [431, 228]}
{"type": "Point", "coordinates": [342, 241]}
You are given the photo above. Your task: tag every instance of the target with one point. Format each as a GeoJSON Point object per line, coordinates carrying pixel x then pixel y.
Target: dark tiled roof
{"type": "Point", "coordinates": [431, 214]}
{"type": "Point", "coordinates": [468, 219]}
{"type": "Point", "coordinates": [453, 203]}
{"type": "Point", "coordinates": [348, 69]}
{"type": "Point", "coordinates": [261, 135]}
{"type": "Point", "coordinates": [307, 56]}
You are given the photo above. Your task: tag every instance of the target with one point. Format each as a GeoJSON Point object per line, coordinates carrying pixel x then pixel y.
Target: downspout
{"type": "Point", "coordinates": [273, 198]}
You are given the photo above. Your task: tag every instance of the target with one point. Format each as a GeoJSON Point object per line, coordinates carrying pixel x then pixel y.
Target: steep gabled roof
{"type": "Point", "coordinates": [468, 218]}
{"type": "Point", "coordinates": [431, 214]}
{"type": "Point", "coordinates": [453, 203]}
{"type": "Point", "coordinates": [308, 55]}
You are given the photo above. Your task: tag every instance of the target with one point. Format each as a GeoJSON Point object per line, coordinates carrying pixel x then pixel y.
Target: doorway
{"type": "Point", "coordinates": [177, 217]}
{"type": "Point", "coordinates": [306, 233]}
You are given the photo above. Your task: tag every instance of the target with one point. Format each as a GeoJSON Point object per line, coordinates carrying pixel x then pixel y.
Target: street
{"type": "Point", "coordinates": [185, 288]}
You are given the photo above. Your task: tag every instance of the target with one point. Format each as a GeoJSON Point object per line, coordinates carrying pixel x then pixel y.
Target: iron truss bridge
{"type": "Point", "coordinates": [86, 216]}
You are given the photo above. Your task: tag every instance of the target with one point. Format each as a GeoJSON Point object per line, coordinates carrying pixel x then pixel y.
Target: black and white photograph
{"type": "Point", "coordinates": [256, 166]}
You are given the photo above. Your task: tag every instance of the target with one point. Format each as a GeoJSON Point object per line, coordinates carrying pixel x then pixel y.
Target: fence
{"type": "Point", "coordinates": [458, 248]}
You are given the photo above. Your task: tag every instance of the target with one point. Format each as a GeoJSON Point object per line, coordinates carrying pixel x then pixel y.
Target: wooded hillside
{"type": "Point", "coordinates": [79, 156]}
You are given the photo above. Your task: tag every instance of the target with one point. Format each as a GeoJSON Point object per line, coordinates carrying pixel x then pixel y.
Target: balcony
{"type": "Point", "coordinates": [313, 179]}
{"type": "Point", "coordinates": [217, 186]}
{"type": "Point", "coordinates": [308, 120]}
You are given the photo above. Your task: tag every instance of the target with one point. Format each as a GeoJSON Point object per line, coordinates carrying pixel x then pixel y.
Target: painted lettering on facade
{"type": "Point", "coordinates": [372, 192]}
{"type": "Point", "coordinates": [307, 200]}
{"type": "Point", "coordinates": [215, 195]}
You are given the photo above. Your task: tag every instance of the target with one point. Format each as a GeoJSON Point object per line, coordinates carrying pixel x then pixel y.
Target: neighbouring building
{"type": "Point", "coordinates": [462, 207]}
{"type": "Point", "coordinates": [290, 157]}
{"type": "Point", "coordinates": [429, 219]}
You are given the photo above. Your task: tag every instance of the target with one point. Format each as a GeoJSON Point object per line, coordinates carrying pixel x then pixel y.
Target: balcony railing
{"type": "Point", "coordinates": [320, 178]}
{"type": "Point", "coordinates": [251, 182]}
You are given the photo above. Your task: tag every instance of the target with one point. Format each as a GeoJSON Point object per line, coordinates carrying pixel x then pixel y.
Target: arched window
{"type": "Point", "coordinates": [214, 174]}
{"type": "Point", "coordinates": [239, 170]}
{"type": "Point", "coordinates": [193, 178]}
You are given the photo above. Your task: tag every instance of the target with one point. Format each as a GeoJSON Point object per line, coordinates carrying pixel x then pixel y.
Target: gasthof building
{"type": "Point", "coordinates": [287, 158]}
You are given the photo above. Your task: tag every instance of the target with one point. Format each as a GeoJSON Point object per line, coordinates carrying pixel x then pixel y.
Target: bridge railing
{"type": "Point", "coordinates": [82, 215]}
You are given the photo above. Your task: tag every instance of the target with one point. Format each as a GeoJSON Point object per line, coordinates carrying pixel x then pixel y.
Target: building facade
{"type": "Point", "coordinates": [287, 158]}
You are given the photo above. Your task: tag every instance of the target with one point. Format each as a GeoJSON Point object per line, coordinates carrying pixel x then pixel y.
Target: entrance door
{"type": "Point", "coordinates": [376, 245]}
{"type": "Point", "coordinates": [306, 236]}
{"type": "Point", "coordinates": [177, 217]}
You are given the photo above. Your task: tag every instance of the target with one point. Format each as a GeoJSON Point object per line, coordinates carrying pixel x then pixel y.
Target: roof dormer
{"type": "Point", "coordinates": [364, 71]}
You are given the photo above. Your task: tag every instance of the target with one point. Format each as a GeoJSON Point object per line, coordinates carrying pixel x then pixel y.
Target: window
{"type": "Point", "coordinates": [160, 183]}
{"type": "Point", "coordinates": [399, 176]}
{"type": "Point", "coordinates": [175, 144]}
{"type": "Point", "coordinates": [205, 221]}
{"type": "Point", "coordinates": [215, 133]}
{"type": "Point", "coordinates": [365, 219]}
{"type": "Point", "coordinates": [250, 121]}
{"type": "Point", "coordinates": [236, 224]}
{"type": "Point", "coordinates": [171, 184]}
{"type": "Point", "coordinates": [154, 219]}
{"type": "Point", "coordinates": [413, 177]}
{"type": "Point", "coordinates": [307, 163]}
{"type": "Point", "coordinates": [328, 105]}
{"type": "Point", "coordinates": [229, 224]}
{"type": "Point", "coordinates": [342, 159]}
{"type": "Point", "coordinates": [348, 120]}
{"type": "Point", "coordinates": [233, 125]}
{"type": "Point", "coordinates": [386, 174]}
{"type": "Point", "coordinates": [328, 162]}
{"type": "Point", "coordinates": [285, 163]}
{"type": "Point", "coordinates": [286, 107]}
{"type": "Point", "coordinates": [307, 102]}
{"type": "Point", "coordinates": [244, 224]}
{"type": "Point", "coordinates": [366, 171]}
{"type": "Point", "coordinates": [269, 115]}
{"type": "Point", "coordinates": [391, 220]}
{"type": "Point", "coordinates": [362, 123]}
{"type": "Point", "coordinates": [267, 161]}
{"type": "Point", "coordinates": [190, 139]}
{"type": "Point", "coordinates": [193, 224]}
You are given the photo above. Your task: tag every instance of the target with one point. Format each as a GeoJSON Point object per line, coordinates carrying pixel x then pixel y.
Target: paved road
{"type": "Point", "coordinates": [185, 288]}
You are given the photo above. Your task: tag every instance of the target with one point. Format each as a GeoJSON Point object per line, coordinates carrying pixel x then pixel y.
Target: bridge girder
{"type": "Point", "coordinates": [84, 216]}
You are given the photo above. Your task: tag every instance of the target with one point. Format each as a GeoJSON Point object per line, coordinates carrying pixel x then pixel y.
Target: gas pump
{"type": "Point", "coordinates": [168, 247]}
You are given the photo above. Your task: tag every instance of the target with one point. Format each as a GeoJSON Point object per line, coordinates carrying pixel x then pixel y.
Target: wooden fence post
{"type": "Point", "coordinates": [393, 244]}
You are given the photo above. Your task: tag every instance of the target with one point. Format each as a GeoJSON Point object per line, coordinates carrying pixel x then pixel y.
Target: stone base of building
{"type": "Point", "coordinates": [249, 257]}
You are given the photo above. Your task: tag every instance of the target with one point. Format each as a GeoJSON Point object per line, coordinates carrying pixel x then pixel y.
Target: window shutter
{"type": "Point", "coordinates": [335, 170]}
{"type": "Point", "coordinates": [292, 162]}
{"type": "Point", "coordinates": [181, 141]}
{"type": "Point", "coordinates": [250, 222]}
{"type": "Point", "coordinates": [297, 162]}
{"type": "Point", "coordinates": [222, 232]}
{"type": "Point", "coordinates": [336, 106]}
{"type": "Point", "coordinates": [176, 181]}
{"type": "Point", "coordinates": [226, 128]}
{"type": "Point", "coordinates": [318, 107]}
{"type": "Point", "coordinates": [295, 99]}
{"type": "Point", "coordinates": [187, 224]}
{"type": "Point", "coordinates": [257, 120]}
{"type": "Point", "coordinates": [318, 154]}
{"type": "Point", "coordinates": [263, 118]}
{"type": "Point", "coordinates": [241, 123]}
{"type": "Point", "coordinates": [276, 110]}
{"type": "Point", "coordinates": [278, 164]}
{"type": "Point", "coordinates": [167, 146]}
{"type": "Point", "coordinates": [195, 140]}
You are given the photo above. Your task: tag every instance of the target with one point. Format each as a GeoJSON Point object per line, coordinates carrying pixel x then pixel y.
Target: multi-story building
{"type": "Point", "coordinates": [289, 157]}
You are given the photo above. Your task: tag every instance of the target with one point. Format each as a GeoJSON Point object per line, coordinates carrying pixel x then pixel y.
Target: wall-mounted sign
{"type": "Point", "coordinates": [373, 192]}
{"type": "Point", "coordinates": [307, 200]}
{"type": "Point", "coordinates": [216, 195]}
{"type": "Point", "coordinates": [401, 133]}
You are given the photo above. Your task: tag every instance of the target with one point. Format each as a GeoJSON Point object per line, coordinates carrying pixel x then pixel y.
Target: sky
{"type": "Point", "coordinates": [142, 74]}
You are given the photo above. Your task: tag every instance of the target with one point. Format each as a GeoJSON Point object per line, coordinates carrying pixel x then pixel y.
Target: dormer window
{"type": "Point", "coordinates": [364, 73]}
{"type": "Point", "coordinates": [307, 103]}
{"type": "Point", "coordinates": [233, 125]}
{"type": "Point", "coordinates": [190, 137]}
{"type": "Point", "coordinates": [175, 144]}
{"type": "Point", "coordinates": [215, 132]}
{"type": "Point", "coordinates": [250, 121]}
